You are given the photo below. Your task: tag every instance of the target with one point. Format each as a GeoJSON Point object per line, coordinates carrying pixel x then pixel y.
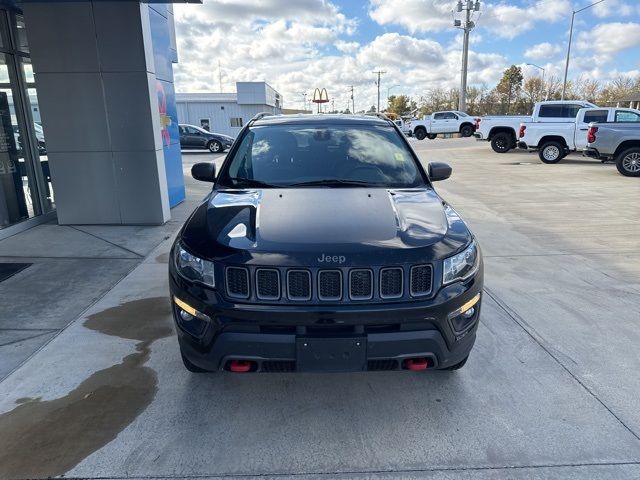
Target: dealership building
{"type": "Point", "coordinates": [89, 130]}
{"type": "Point", "coordinates": [226, 113]}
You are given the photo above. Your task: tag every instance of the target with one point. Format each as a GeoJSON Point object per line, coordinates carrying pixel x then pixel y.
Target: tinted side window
{"type": "Point", "coordinates": [438, 116]}
{"type": "Point", "coordinates": [622, 116]}
{"type": "Point", "coordinates": [595, 116]}
{"type": "Point", "coordinates": [550, 111]}
{"type": "Point", "coordinates": [571, 111]}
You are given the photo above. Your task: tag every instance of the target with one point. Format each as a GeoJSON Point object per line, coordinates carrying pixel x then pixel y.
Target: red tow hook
{"type": "Point", "coordinates": [415, 364]}
{"type": "Point", "coordinates": [240, 366]}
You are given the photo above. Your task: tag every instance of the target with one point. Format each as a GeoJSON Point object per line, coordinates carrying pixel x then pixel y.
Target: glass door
{"type": "Point", "coordinates": [18, 193]}
{"type": "Point", "coordinates": [25, 187]}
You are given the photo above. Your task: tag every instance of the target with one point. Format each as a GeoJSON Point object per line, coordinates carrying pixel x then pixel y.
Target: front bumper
{"type": "Point", "coordinates": [271, 336]}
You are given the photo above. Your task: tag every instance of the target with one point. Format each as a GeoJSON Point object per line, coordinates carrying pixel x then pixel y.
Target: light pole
{"type": "Point", "coordinates": [566, 66]}
{"type": "Point", "coordinates": [353, 102]}
{"type": "Point", "coordinates": [544, 87]}
{"type": "Point", "coordinates": [304, 101]}
{"type": "Point", "coordinates": [468, 6]}
{"type": "Point", "coordinates": [388, 90]}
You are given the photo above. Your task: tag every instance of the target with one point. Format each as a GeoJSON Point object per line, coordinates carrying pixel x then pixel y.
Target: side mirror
{"type": "Point", "coordinates": [205, 172]}
{"type": "Point", "coordinates": [439, 171]}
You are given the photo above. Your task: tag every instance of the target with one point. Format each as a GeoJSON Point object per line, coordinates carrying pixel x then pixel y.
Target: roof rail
{"type": "Point", "coordinates": [259, 116]}
{"type": "Point", "coordinates": [380, 115]}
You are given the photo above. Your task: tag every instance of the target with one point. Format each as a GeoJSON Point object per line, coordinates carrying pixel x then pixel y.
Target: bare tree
{"type": "Point", "coordinates": [533, 90]}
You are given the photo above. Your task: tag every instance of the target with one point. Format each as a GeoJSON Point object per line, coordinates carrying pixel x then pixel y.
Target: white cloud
{"type": "Point", "coordinates": [542, 51]}
{"type": "Point", "coordinates": [618, 8]}
{"type": "Point", "coordinates": [607, 39]}
{"type": "Point", "coordinates": [393, 49]}
{"type": "Point", "coordinates": [347, 47]}
{"type": "Point", "coordinates": [415, 15]}
{"type": "Point", "coordinates": [502, 19]}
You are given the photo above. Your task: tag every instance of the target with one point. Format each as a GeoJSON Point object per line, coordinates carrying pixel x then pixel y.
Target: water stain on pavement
{"type": "Point", "coordinates": [42, 438]}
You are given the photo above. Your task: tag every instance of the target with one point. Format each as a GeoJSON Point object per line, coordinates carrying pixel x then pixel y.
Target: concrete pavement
{"type": "Point", "coordinates": [550, 391]}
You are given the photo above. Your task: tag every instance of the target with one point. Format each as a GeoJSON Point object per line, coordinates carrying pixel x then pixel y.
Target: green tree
{"type": "Point", "coordinates": [400, 104]}
{"type": "Point", "coordinates": [510, 86]}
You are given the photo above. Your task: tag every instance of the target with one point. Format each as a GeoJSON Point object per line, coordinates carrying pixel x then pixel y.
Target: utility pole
{"type": "Point", "coordinates": [379, 73]}
{"type": "Point", "coordinates": [304, 100]}
{"type": "Point", "coordinates": [220, 75]}
{"type": "Point", "coordinates": [566, 65]}
{"type": "Point", "coordinates": [468, 6]}
{"type": "Point", "coordinates": [353, 102]}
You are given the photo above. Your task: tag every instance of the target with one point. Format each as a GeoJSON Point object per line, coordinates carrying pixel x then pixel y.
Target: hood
{"type": "Point", "coordinates": [298, 225]}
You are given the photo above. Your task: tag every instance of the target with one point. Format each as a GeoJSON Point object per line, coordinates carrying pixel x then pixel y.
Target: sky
{"type": "Point", "coordinates": [298, 45]}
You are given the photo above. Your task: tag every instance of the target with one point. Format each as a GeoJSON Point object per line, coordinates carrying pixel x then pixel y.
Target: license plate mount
{"type": "Point", "coordinates": [348, 354]}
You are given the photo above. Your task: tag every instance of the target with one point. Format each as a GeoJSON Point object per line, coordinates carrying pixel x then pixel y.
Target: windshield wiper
{"type": "Point", "coordinates": [335, 182]}
{"type": "Point", "coordinates": [250, 182]}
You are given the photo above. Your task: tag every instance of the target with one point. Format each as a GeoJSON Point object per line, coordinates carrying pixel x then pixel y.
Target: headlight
{"type": "Point", "coordinates": [462, 265]}
{"type": "Point", "coordinates": [194, 268]}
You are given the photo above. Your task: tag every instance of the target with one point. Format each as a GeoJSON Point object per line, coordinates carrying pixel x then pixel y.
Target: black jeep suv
{"type": "Point", "coordinates": [324, 247]}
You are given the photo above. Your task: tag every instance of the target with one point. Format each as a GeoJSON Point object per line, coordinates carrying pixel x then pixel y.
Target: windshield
{"type": "Point", "coordinates": [338, 155]}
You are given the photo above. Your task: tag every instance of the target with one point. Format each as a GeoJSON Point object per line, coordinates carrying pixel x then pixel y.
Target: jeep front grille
{"type": "Point", "coordinates": [267, 284]}
{"type": "Point", "coordinates": [421, 280]}
{"type": "Point", "coordinates": [391, 282]}
{"type": "Point", "coordinates": [299, 285]}
{"type": "Point", "coordinates": [237, 282]}
{"type": "Point", "coordinates": [360, 284]}
{"type": "Point", "coordinates": [329, 285]}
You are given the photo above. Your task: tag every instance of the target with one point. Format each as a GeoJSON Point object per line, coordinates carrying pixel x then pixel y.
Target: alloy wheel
{"type": "Point", "coordinates": [551, 153]}
{"type": "Point", "coordinates": [631, 162]}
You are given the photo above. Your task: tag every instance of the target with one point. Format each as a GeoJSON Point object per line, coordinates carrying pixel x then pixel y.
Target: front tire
{"type": "Point", "coordinates": [466, 130]}
{"type": "Point", "coordinates": [420, 133]}
{"type": "Point", "coordinates": [214, 146]}
{"type": "Point", "coordinates": [628, 162]}
{"type": "Point", "coordinates": [551, 152]}
{"type": "Point", "coordinates": [501, 142]}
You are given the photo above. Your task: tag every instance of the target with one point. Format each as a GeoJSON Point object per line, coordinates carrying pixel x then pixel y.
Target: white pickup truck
{"type": "Point", "coordinates": [404, 126]}
{"type": "Point", "coordinates": [502, 131]}
{"type": "Point", "coordinates": [554, 141]}
{"type": "Point", "coordinates": [443, 122]}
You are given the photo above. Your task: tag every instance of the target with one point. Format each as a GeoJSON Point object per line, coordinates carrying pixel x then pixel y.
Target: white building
{"type": "Point", "coordinates": [227, 113]}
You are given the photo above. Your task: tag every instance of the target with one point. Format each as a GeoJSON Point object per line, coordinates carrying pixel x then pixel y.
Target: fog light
{"type": "Point", "coordinates": [462, 318]}
{"type": "Point", "coordinates": [190, 319]}
{"type": "Point", "coordinates": [469, 313]}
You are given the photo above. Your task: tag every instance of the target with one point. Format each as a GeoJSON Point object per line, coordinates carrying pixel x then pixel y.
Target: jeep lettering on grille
{"type": "Point", "coordinates": [340, 259]}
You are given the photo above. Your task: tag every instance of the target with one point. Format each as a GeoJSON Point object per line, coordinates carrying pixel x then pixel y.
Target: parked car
{"type": "Point", "coordinates": [619, 141]}
{"type": "Point", "coordinates": [196, 137]}
{"type": "Point", "coordinates": [323, 246]}
{"type": "Point", "coordinates": [443, 122]}
{"type": "Point", "coordinates": [502, 131]}
{"type": "Point", "coordinates": [554, 141]}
